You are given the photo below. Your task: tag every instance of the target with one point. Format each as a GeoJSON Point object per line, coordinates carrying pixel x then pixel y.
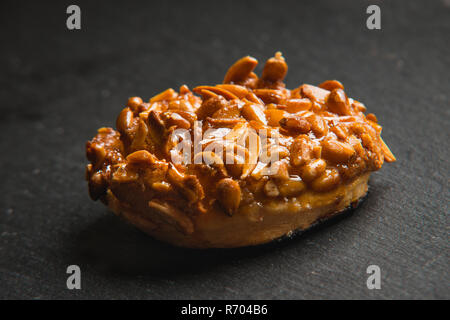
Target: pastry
{"type": "Point", "coordinates": [236, 164]}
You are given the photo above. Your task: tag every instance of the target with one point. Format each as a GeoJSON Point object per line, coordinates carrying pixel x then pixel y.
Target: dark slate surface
{"type": "Point", "coordinates": [58, 86]}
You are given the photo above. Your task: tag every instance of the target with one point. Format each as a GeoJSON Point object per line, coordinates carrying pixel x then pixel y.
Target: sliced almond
{"type": "Point", "coordinates": [296, 105]}
{"type": "Point", "coordinates": [229, 195]}
{"type": "Point", "coordinates": [274, 116]}
{"type": "Point", "coordinates": [314, 93]}
{"type": "Point", "coordinates": [388, 155]}
{"type": "Point", "coordinates": [275, 69]}
{"type": "Point", "coordinates": [239, 91]}
{"type": "Point", "coordinates": [168, 94]}
{"type": "Point", "coordinates": [251, 111]}
{"type": "Point", "coordinates": [331, 85]}
{"type": "Point", "coordinates": [240, 70]}
{"type": "Point", "coordinates": [171, 215]}
{"type": "Point", "coordinates": [217, 90]}
{"type": "Point", "coordinates": [271, 189]}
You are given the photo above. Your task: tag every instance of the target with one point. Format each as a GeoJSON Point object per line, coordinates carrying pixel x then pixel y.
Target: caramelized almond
{"type": "Point", "coordinates": [229, 195]}
{"type": "Point", "coordinates": [313, 169]}
{"type": "Point", "coordinates": [295, 124]}
{"type": "Point", "coordinates": [274, 116]}
{"type": "Point", "coordinates": [336, 151]}
{"type": "Point", "coordinates": [271, 189]}
{"type": "Point", "coordinates": [331, 85]}
{"type": "Point", "coordinates": [134, 102]}
{"type": "Point", "coordinates": [327, 181]}
{"type": "Point", "coordinates": [388, 155]}
{"type": "Point", "coordinates": [314, 93]}
{"type": "Point", "coordinates": [165, 95]}
{"type": "Point", "coordinates": [275, 69]}
{"type": "Point", "coordinates": [269, 95]}
{"type": "Point", "coordinates": [217, 90]}
{"type": "Point", "coordinates": [176, 120]}
{"type": "Point", "coordinates": [296, 105]}
{"type": "Point", "coordinates": [239, 91]}
{"type": "Point", "coordinates": [301, 151]}
{"type": "Point", "coordinates": [254, 112]}
{"type": "Point", "coordinates": [240, 70]}
{"type": "Point", "coordinates": [291, 187]}
{"type": "Point", "coordinates": [337, 102]}
{"type": "Point", "coordinates": [141, 157]}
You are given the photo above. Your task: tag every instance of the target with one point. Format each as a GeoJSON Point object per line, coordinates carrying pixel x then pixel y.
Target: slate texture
{"type": "Point", "coordinates": [58, 86]}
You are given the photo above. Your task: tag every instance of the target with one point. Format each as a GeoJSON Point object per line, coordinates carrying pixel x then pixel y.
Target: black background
{"type": "Point", "coordinates": [58, 86]}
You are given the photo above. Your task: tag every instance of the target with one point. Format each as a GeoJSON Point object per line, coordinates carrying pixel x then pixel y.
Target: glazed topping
{"type": "Point", "coordinates": [248, 139]}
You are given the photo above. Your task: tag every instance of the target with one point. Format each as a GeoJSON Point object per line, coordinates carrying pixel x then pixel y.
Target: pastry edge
{"type": "Point", "coordinates": [265, 224]}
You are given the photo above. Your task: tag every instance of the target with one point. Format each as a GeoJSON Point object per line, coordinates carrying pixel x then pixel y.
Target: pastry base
{"type": "Point", "coordinates": [252, 225]}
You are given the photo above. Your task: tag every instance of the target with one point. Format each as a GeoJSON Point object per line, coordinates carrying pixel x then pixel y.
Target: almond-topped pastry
{"type": "Point", "coordinates": [236, 164]}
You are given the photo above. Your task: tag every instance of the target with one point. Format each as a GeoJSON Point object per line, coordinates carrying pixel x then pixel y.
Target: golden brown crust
{"type": "Point", "coordinates": [253, 224]}
{"type": "Point", "coordinates": [325, 148]}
